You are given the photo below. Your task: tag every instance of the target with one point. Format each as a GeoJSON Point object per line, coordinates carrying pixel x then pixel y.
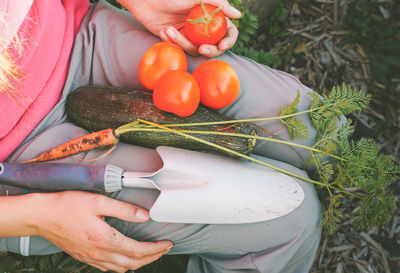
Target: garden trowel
{"type": "Point", "coordinates": [194, 187]}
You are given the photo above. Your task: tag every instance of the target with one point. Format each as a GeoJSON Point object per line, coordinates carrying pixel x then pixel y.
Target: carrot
{"type": "Point", "coordinates": [78, 145]}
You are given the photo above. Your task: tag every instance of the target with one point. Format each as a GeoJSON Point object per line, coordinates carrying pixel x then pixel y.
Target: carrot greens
{"type": "Point", "coordinates": [361, 165]}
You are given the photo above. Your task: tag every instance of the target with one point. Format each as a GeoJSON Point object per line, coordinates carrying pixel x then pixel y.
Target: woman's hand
{"type": "Point", "coordinates": [74, 221]}
{"type": "Point", "coordinates": [166, 18]}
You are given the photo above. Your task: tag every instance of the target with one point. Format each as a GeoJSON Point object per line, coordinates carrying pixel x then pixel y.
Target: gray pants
{"type": "Point", "coordinates": [107, 51]}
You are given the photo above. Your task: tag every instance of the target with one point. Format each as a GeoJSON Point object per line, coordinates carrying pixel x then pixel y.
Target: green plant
{"type": "Point", "coordinates": [63, 263]}
{"type": "Point", "coordinates": [378, 35]}
{"type": "Point", "coordinates": [276, 19]}
{"type": "Point", "coordinates": [237, 4]}
{"type": "Point", "coordinates": [55, 263]}
{"type": "Point", "coordinates": [248, 25]}
{"type": "Point", "coordinates": [352, 164]}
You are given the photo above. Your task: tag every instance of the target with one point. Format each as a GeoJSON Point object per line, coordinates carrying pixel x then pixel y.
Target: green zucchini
{"type": "Point", "coordinates": [96, 108]}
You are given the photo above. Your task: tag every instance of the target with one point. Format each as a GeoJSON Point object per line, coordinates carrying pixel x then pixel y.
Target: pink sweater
{"type": "Point", "coordinates": [48, 29]}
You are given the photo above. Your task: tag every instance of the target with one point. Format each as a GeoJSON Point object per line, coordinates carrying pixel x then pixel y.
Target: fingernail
{"type": "Point", "coordinates": [171, 33]}
{"type": "Point", "coordinates": [205, 51]}
{"type": "Point", "coordinates": [235, 12]}
{"type": "Point", "coordinates": [223, 46]}
{"type": "Point", "coordinates": [163, 36]}
{"type": "Point", "coordinates": [142, 214]}
{"type": "Point", "coordinates": [168, 249]}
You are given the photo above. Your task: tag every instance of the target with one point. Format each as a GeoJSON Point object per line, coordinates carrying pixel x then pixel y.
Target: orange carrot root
{"type": "Point", "coordinates": [78, 145]}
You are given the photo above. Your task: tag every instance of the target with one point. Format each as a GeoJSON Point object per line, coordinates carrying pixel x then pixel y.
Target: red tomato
{"type": "Point", "coordinates": [205, 24]}
{"type": "Point", "coordinates": [218, 82]}
{"type": "Point", "coordinates": [177, 92]}
{"type": "Point", "coordinates": [158, 59]}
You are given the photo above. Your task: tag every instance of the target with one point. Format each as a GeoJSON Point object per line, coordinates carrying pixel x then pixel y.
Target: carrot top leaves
{"type": "Point", "coordinates": [295, 127]}
{"type": "Point", "coordinates": [356, 163]}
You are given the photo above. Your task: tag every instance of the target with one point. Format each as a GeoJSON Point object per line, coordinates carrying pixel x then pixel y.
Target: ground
{"type": "Point", "coordinates": [339, 41]}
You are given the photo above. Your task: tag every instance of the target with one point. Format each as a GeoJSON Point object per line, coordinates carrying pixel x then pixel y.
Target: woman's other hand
{"type": "Point", "coordinates": [166, 19]}
{"type": "Point", "coordinates": [74, 221]}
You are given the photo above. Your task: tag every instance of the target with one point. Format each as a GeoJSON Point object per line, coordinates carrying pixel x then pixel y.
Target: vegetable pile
{"type": "Point", "coordinates": [163, 70]}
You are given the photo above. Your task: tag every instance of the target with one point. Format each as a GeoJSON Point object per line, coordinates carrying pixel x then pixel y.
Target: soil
{"type": "Point", "coordinates": [322, 55]}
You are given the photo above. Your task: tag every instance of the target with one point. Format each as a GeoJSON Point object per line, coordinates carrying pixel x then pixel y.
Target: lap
{"type": "Point", "coordinates": [285, 235]}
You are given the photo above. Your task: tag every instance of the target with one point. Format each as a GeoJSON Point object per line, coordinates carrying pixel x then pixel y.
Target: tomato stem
{"type": "Point", "coordinates": [206, 19]}
{"type": "Point", "coordinates": [204, 9]}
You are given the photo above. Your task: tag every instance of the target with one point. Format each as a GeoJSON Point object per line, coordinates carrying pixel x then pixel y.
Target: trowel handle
{"type": "Point", "coordinates": [60, 176]}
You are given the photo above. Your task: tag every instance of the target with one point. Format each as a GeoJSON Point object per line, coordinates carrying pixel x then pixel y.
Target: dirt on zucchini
{"type": "Point", "coordinates": [96, 108]}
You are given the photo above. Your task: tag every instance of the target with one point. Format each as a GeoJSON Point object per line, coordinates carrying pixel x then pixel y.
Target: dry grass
{"type": "Point", "coordinates": [324, 57]}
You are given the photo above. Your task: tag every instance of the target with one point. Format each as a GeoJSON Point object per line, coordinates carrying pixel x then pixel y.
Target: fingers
{"type": "Point", "coordinates": [144, 249]}
{"type": "Point", "coordinates": [107, 206]}
{"type": "Point", "coordinates": [133, 264]}
{"type": "Point", "coordinates": [130, 254]}
{"type": "Point", "coordinates": [210, 51]}
{"type": "Point", "coordinates": [148, 260]}
{"type": "Point", "coordinates": [114, 267]}
{"type": "Point", "coordinates": [101, 267]}
{"type": "Point", "coordinates": [171, 34]}
{"type": "Point", "coordinates": [123, 263]}
{"type": "Point", "coordinates": [227, 9]}
{"type": "Point", "coordinates": [226, 43]}
{"type": "Point", "coordinates": [230, 38]}
{"type": "Point", "coordinates": [164, 36]}
{"type": "Point", "coordinates": [119, 243]}
{"type": "Point", "coordinates": [119, 253]}
{"type": "Point", "coordinates": [135, 249]}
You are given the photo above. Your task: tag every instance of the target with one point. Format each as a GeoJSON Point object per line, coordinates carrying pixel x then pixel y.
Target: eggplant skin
{"type": "Point", "coordinates": [95, 108]}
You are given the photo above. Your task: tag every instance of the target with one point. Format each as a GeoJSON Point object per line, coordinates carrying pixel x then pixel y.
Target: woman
{"type": "Point", "coordinates": [57, 46]}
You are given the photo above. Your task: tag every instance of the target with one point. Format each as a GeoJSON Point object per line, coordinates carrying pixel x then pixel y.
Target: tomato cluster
{"type": "Point", "coordinates": [163, 69]}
